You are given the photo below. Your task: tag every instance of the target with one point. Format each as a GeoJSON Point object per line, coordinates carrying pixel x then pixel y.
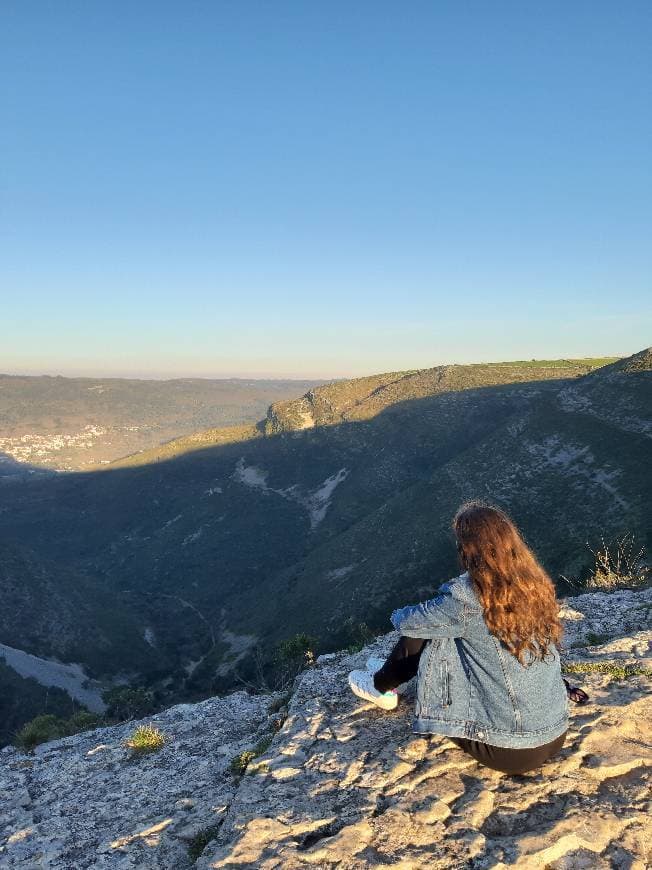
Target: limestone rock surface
{"type": "Point", "coordinates": [345, 785]}
{"type": "Point", "coordinates": [84, 801]}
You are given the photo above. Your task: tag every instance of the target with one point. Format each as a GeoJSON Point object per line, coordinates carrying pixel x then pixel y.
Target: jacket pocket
{"type": "Point", "coordinates": [444, 680]}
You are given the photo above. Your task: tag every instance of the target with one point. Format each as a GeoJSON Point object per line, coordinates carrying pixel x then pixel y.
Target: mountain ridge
{"type": "Point", "coordinates": [322, 405]}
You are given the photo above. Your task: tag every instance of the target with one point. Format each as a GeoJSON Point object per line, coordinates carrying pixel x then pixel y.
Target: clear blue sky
{"type": "Point", "coordinates": [318, 189]}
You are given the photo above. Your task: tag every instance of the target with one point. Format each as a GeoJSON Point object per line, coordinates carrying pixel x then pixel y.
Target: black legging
{"type": "Point", "coordinates": [403, 663]}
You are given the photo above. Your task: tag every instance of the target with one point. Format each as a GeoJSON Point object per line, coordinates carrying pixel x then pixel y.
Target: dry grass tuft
{"type": "Point", "coordinates": [146, 738]}
{"type": "Point", "coordinates": [619, 564]}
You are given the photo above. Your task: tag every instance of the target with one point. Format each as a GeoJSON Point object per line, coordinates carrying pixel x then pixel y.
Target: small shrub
{"type": "Point", "coordinates": [47, 727]}
{"type": "Point", "coordinates": [358, 635]}
{"type": "Point", "coordinates": [146, 738]}
{"type": "Point", "coordinates": [263, 745]}
{"type": "Point", "coordinates": [128, 702]}
{"type": "Point", "coordinates": [241, 762]}
{"type": "Point", "coordinates": [291, 657]}
{"type": "Point", "coordinates": [41, 729]}
{"type": "Point", "coordinates": [276, 670]}
{"type": "Point", "coordinates": [353, 648]}
{"type": "Point", "coordinates": [299, 648]}
{"type": "Point", "coordinates": [615, 670]}
{"type": "Point", "coordinates": [201, 839]}
{"type": "Point", "coordinates": [619, 564]}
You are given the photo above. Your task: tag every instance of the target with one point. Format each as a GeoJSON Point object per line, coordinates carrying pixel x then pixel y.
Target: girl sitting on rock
{"type": "Point", "coordinates": [484, 652]}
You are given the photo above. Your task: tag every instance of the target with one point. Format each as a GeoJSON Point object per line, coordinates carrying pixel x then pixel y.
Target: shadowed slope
{"type": "Point", "coordinates": [307, 529]}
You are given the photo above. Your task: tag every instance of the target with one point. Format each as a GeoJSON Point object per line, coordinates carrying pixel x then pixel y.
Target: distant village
{"type": "Point", "coordinates": [45, 450]}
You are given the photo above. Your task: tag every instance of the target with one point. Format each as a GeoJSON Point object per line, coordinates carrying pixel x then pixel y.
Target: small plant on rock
{"type": "Point", "coordinates": [241, 762]}
{"type": "Point", "coordinates": [201, 839]}
{"type": "Point", "coordinates": [619, 564]}
{"type": "Point", "coordinates": [146, 738]}
{"type": "Point", "coordinates": [263, 745]}
{"type": "Point", "coordinates": [615, 670]}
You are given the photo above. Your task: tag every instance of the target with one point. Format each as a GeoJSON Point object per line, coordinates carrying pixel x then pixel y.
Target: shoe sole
{"type": "Point", "coordinates": [380, 701]}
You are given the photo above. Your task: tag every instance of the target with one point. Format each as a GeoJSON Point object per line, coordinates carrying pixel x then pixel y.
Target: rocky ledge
{"type": "Point", "coordinates": [345, 785]}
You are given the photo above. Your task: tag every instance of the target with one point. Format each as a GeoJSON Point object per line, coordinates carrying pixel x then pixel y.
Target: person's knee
{"type": "Point", "coordinates": [412, 646]}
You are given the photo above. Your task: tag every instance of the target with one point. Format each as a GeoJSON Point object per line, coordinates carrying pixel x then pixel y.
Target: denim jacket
{"type": "Point", "coordinates": [469, 684]}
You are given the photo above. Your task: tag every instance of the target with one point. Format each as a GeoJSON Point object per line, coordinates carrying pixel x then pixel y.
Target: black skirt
{"type": "Point", "coordinates": [512, 761]}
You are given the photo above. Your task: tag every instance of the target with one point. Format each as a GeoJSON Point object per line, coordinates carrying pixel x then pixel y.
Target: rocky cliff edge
{"type": "Point", "coordinates": [345, 785]}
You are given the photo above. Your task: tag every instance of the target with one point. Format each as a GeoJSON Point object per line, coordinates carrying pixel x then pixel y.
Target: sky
{"type": "Point", "coordinates": [323, 189]}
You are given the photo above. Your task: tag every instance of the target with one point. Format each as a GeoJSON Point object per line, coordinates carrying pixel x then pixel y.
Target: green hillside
{"type": "Point", "coordinates": [363, 398]}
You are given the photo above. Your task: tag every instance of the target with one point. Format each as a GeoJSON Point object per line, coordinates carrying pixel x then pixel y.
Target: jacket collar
{"type": "Point", "coordinates": [462, 588]}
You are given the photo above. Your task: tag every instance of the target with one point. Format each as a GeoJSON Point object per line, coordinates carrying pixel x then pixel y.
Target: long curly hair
{"type": "Point", "coordinates": [518, 597]}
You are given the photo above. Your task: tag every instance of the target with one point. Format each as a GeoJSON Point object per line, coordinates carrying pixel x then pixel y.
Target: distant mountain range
{"type": "Point", "coordinates": [68, 424]}
{"type": "Point", "coordinates": [181, 565]}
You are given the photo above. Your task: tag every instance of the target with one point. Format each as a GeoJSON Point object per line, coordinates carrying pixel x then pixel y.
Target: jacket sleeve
{"type": "Point", "coordinates": [441, 616]}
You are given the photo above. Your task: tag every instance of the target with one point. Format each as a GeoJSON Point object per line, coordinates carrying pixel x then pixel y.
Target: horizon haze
{"type": "Point", "coordinates": [171, 376]}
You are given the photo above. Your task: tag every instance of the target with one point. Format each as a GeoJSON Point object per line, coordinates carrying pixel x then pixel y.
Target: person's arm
{"type": "Point", "coordinates": [441, 616]}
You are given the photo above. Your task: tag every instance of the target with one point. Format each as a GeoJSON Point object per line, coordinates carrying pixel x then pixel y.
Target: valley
{"type": "Point", "coordinates": [69, 424]}
{"type": "Point", "coordinates": [183, 567]}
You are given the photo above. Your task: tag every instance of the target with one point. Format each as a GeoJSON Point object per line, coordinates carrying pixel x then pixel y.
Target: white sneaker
{"type": "Point", "coordinates": [374, 664]}
{"type": "Point", "coordinates": [362, 685]}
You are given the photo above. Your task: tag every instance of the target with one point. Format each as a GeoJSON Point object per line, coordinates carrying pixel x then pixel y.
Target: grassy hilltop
{"type": "Point", "coordinates": [363, 398]}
